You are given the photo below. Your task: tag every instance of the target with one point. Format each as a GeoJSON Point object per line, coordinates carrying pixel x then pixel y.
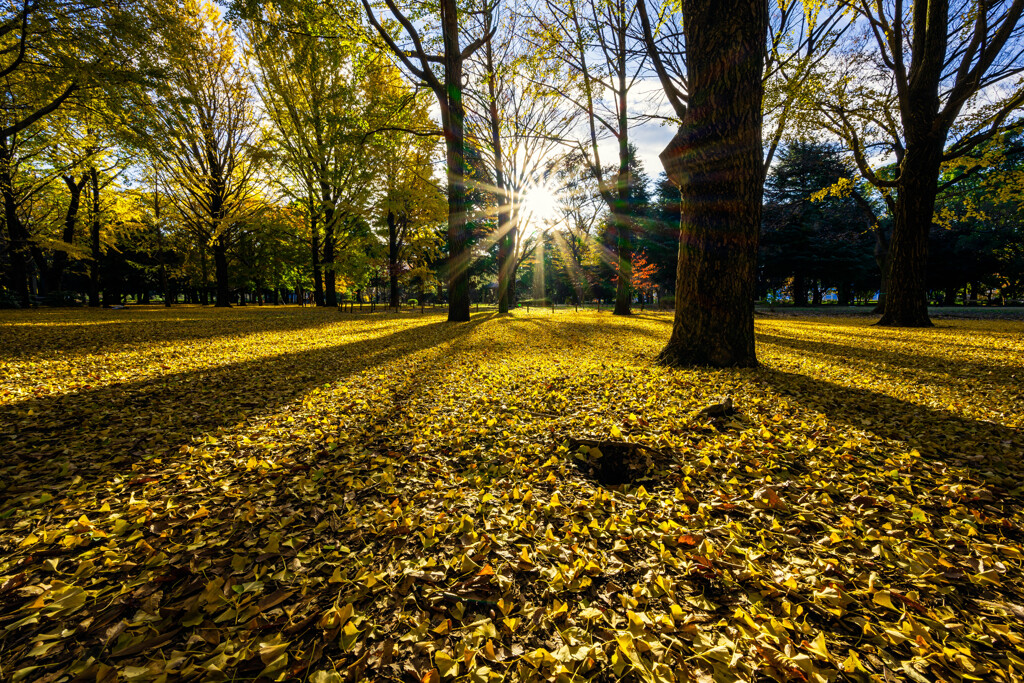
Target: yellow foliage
{"type": "Point", "coordinates": [282, 490]}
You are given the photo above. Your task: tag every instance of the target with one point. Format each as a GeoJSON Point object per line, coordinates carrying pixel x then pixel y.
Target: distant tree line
{"type": "Point", "coordinates": [334, 149]}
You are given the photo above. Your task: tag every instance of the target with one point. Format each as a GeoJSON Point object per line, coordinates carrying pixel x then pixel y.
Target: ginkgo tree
{"type": "Point", "coordinates": [921, 84]}
{"type": "Point", "coordinates": [598, 41]}
{"type": "Point", "coordinates": [716, 62]}
{"type": "Point", "coordinates": [518, 125]}
{"type": "Point", "coordinates": [203, 126]}
{"type": "Point", "coordinates": [57, 53]}
{"type": "Point", "coordinates": [412, 204]}
{"type": "Point", "coordinates": [421, 38]}
{"type": "Point", "coordinates": [327, 91]}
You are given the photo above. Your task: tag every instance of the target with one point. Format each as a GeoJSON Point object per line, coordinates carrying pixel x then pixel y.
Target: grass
{"type": "Point", "coordinates": [297, 494]}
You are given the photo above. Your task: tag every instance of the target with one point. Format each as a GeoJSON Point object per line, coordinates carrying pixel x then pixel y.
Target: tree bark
{"type": "Point", "coordinates": [17, 277]}
{"type": "Point", "coordinates": [55, 277]}
{"type": "Point", "coordinates": [453, 115]}
{"type": "Point", "coordinates": [906, 302]}
{"type": "Point", "coordinates": [506, 236]}
{"type": "Point", "coordinates": [318, 278]}
{"type": "Point", "coordinates": [620, 210]}
{"type": "Point", "coordinates": [330, 276]}
{"type": "Point", "coordinates": [94, 240]}
{"type": "Point", "coordinates": [165, 288]}
{"type": "Point", "coordinates": [844, 293]}
{"type": "Point", "coordinates": [393, 249]}
{"type": "Point", "coordinates": [716, 161]}
{"type": "Point", "coordinates": [204, 293]}
{"type": "Point", "coordinates": [799, 291]}
{"type": "Point", "coordinates": [220, 261]}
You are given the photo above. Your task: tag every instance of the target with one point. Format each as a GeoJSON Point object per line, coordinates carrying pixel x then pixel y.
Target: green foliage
{"type": "Point", "coordinates": [809, 235]}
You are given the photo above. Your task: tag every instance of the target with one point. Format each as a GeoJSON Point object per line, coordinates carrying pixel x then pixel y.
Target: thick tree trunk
{"type": "Point", "coordinates": [94, 240]}
{"type": "Point", "coordinates": [220, 261]}
{"type": "Point", "coordinates": [453, 117]}
{"type": "Point", "coordinates": [506, 235]}
{"type": "Point", "coordinates": [906, 302]}
{"type": "Point", "coordinates": [330, 276]}
{"type": "Point", "coordinates": [165, 288]}
{"type": "Point", "coordinates": [17, 277]}
{"type": "Point", "coordinates": [624, 252]}
{"type": "Point", "coordinates": [716, 161]}
{"type": "Point", "coordinates": [318, 279]}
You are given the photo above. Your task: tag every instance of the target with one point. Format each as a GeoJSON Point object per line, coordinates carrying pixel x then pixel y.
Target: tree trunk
{"type": "Point", "coordinates": [906, 303]}
{"type": "Point", "coordinates": [94, 240]}
{"type": "Point", "coordinates": [17, 252]}
{"type": "Point", "coordinates": [624, 252]}
{"type": "Point", "coordinates": [844, 293]}
{"type": "Point", "coordinates": [204, 290]}
{"type": "Point", "coordinates": [220, 260]}
{"type": "Point", "coordinates": [799, 291]}
{"type": "Point", "coordinates": [506, 236]}
{"type": "Point", "coordinates": [60, 257]}
{"type": "Point", "coordinates": [165, 289]}
{"type": "Point", "coordinates": [393, 258]}
{"type": "Point", "coordinates": [716, 161]}
{"type": "Point", "coordinates": [620, 217]}
{"type": "Point", "coordinates": [318, 280]}
{"type": "Point", "coordinates": [330, 290]}
{"type": "Point", "coordinates": [453, 117]}
{"type": "Point", "coordinates": [506, 247]}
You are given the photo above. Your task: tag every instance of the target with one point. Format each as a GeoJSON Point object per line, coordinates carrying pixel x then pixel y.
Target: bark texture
{"type": "Point", "coordinates": [94, 240]}
{"type": "Point", "coordinates": [220, 264]}
{"type": "Point", "coordinates": [716, 161]}
{"type": "Point", "coordinates": [17, 235]}
{"type": "Point", "coordinates": [393, 253]}
{"type": "Point", "coordinates": [906, 301]}
{"type": "Point", "coordinates": [60, 257]}
{"type": "Point", "coordinates": [453, 115]}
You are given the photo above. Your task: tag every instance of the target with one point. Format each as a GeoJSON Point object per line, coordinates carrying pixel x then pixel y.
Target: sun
{"type": "Point", "coordinates": [540, 208]}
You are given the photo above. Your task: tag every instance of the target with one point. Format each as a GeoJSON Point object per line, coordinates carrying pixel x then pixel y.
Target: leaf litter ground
{"type": "Point", "coordinates": [294, 494]}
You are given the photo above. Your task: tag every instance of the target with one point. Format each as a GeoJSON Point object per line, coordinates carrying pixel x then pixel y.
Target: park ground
{"type": "Point", "coordinates": [298, 494]}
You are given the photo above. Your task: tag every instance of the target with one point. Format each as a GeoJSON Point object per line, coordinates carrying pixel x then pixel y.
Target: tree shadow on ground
{"type": "Point", "coordinates": [664, 317]}
{"type": "Point", "coordinates": [895, 336]}
{"type": "Point", "coordinates": [104, 331]}
{"type": "Point", "coordinates": [240, 505]}
{"type": "Point", "coordinates": [142, 419]}
{"type": "Point", "coordinates": [598, 330]}
{"type": "Point", "coordinates": [933, 432]}
{"type": "Point", "coordinates": [900, 362]}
